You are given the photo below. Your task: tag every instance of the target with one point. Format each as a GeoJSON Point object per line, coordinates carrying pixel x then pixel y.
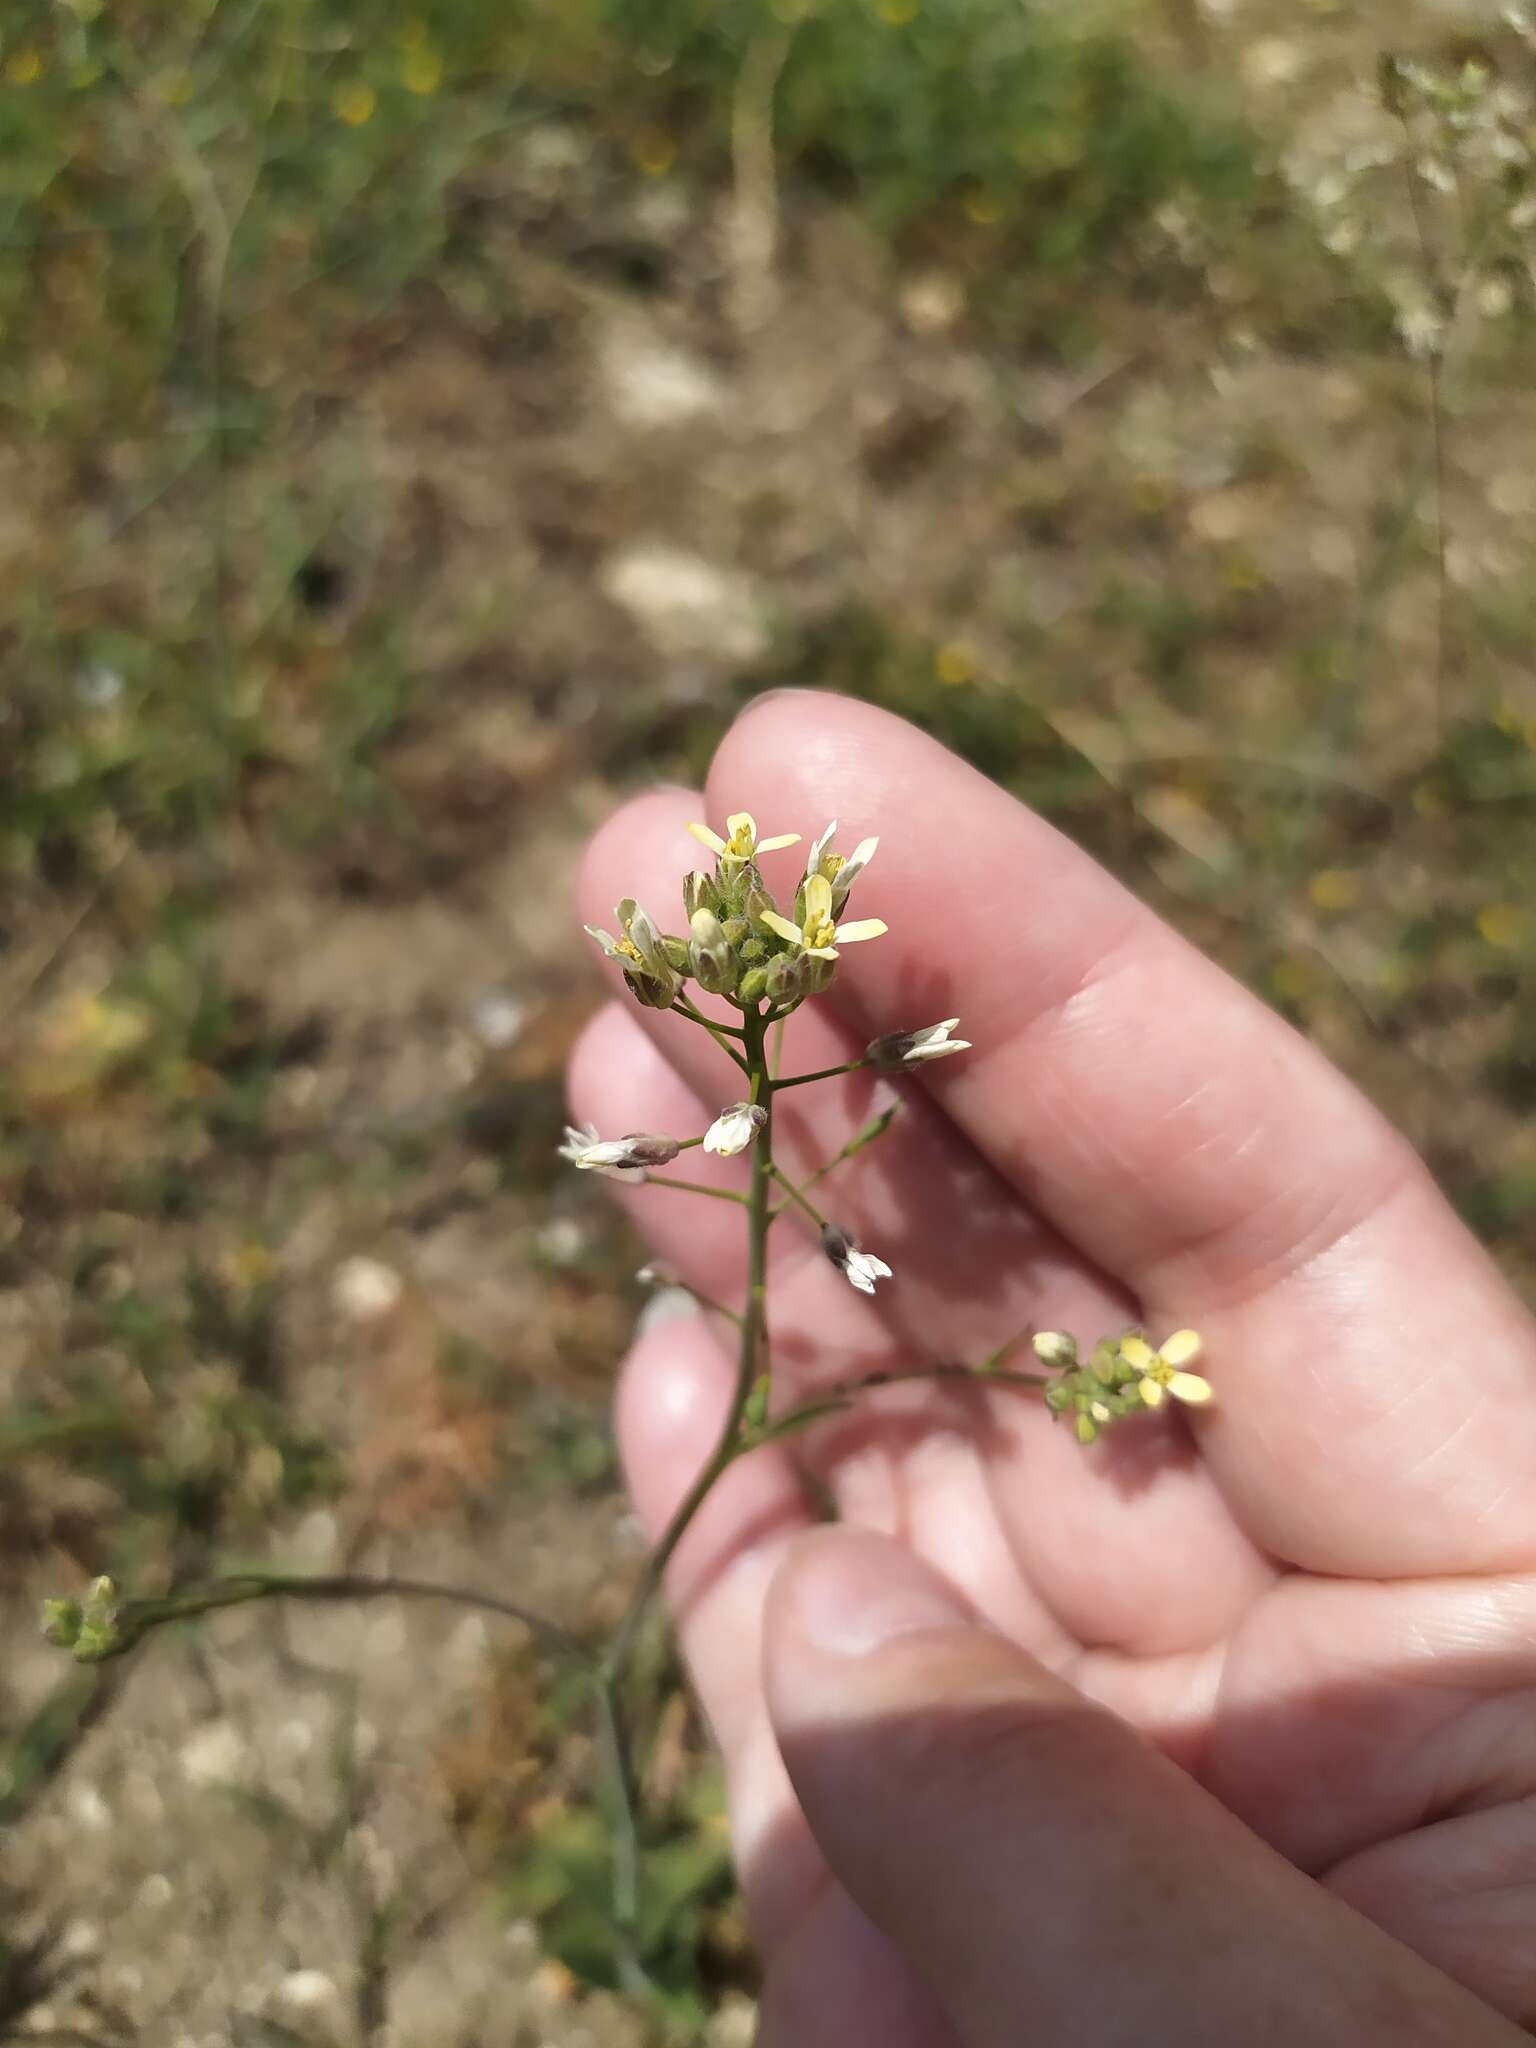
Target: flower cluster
{"type": "Point", "coordinates": [1121, 1376]}
{"type": "Point", "coordinates": [740, 944]}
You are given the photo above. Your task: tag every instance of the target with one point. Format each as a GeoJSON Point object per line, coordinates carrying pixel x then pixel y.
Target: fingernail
{"type": "Point", "coordinates": [853, 1593]}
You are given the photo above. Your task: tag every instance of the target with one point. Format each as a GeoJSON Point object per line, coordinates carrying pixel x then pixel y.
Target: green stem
{"type": "Point", "coordinates": [695, 1187]}
{"type": "Point", "coordinates": [720, 1033]}
{"type": "Point", "coordinates": [797, 1196]}
{"type": "Point", "coordinates": [875, 1128]}
{"type": "Point", "coordinates": [136, 1618]}
{"type": "Point", "coordinates": [750, 1362]}
{"type": "Point", "coordinates": [822, 1074]}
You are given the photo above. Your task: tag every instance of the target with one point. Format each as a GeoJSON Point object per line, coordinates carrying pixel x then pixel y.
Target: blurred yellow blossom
{"type": "Point", "coordinates": [1504, 925]}
{"type": "Point", "coordinates": [1334, 889]}
{"type": "Point", "coordinates": [355, 103]}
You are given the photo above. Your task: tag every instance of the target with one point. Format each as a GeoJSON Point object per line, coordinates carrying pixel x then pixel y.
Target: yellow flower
{"type": "Point", "coordinates": [1160, 1369]}
{"type": "Point", "coordinates": [821, 935]}
{"type": "Point", "coordinates": [743, 843]}
{"type": "Point", "coordinates": [355, 103]}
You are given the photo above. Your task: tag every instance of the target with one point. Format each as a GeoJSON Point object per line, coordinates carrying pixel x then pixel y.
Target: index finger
{"type": "Point", "coordinates": [1381, 1416]}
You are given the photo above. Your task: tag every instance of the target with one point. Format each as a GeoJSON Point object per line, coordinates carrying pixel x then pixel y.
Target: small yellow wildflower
{"type": "Point", "coordinates": [422, 69]}
{"type": "Point", "coordinates": [1161, 1369]}
{"type": "Point", "coordinates": [1503, 925]}
{"type": "Point", "coordinates": [355, 103]}
{"type": "Point", "coordinates": [821, 934]}
{"type": "Point", "coordinates": [743, 843]}
{"type": "Point", "coordinates": [1334, 889]}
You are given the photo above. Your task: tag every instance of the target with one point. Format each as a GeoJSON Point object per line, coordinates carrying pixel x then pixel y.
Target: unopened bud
{"type": "Point", "coordinates": [710, 955]}
{"type": "Point", "coordinates": [648, 1148]}
{"type": "Point", "coordinates": [61, 1622]}
{"type": "Point", "coordinates": [1055, 1348]}
{"type": "Point", "coordinates": [651, 993]}
{"type": "Point", "coordinates": [1087, 1430]}
{"type": "Point", "coordinates": [754, 986]}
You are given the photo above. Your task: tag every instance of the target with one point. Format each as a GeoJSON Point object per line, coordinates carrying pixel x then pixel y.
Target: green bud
{"type": "Point", "coordinates": [1058, 1398]}
{"type": "Point", "coordinates": [62, 1620]}
{"type": "Point", "coordinates": [787, 981]}
{"type": "Point", "coordinates": [676, 951]}
{"type": "Point", "coordinates": [1087, 1429]}
{"type": "Point", "coordinates": [710, 954]}
{"type": "Point", "coordinates": [753, 986]}
{"type": "Point", "coordinates": [699, 893]}
{"type": "Point", "coordinates": [752, 952]}
{"type": "Point", "coordinates": [736, 929]}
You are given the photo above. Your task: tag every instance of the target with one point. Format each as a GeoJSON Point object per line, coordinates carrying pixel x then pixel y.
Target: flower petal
{"type": "Point", "coordinates": [817, 897]}
{"type": "Point", "coordinates": [818, 848]}
{"type": "Point", "coordinates": [1188, 1386]}
{"type": "Point", "coordinates": [1181, 1347]}
{"type": "Point", "coordinates": [781, 926]}
{"type": "Point", "coordinates": [1137, 1353]}
{"type": "Point", "coordinates": [861, 928]}
{"type": "Point", "coordinates": [1151, 1392]}
{"type": "Point", "coordinates": [780, 839]}
{"type": "Point", "coordinates": [707, 838]}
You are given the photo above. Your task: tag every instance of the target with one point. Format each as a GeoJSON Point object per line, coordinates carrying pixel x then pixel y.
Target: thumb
{"type": "Point", "coordinates": [1051, 1876]}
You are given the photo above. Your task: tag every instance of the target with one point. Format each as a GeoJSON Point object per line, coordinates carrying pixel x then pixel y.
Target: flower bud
{"type": "Point", "coordinates": [913, 1048]}
{"type": "Point", "coordinates": [710, 955]}
{"type": "Point", "coordinates": [652, 994]}
{"type": "Point", "coordinates": [754, 986]}
{"type": "Point", "coordinates": [1055, 1348]}
{"type": "Point", "coordinates": [699, 893]}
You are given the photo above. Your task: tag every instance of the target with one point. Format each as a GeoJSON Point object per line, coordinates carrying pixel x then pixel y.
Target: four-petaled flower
{"type": "Point", "coordinates": [842, 872]}
{"type": "Point", "coordinates": [638, 948]}
{"type": "Point", "coordinates": [859, 1268]}
{"type": "Point", "coordinates": [743, 843]}
{"type": "Point", "coordinates": [1161, 1370]}
{"type": "Point", "coordinates": [820, 935]}
{"type": "Point", "coordinates": [734, 1129]}
{"type": "Point", "coordinates": [911, 1048]}
{"type": "Point", "coordinates": [618, 1158]}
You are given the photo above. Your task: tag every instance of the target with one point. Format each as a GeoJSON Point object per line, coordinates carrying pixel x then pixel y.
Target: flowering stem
{"type": "Point", "coordinates": [796, 1196]}
{"type": "Point", "coordinates": [694, 1187]}
{"type": "Point", "coordinates": [751, 1357]}
{"type": "Point", "coordinates": [875, 1128]}
{"type": "Point", "coordinates": [722, 1034]}
{"type": "Point", "coordinates": [822, 1074]}
{"type": "Point", "coordinates": [136, 1618]}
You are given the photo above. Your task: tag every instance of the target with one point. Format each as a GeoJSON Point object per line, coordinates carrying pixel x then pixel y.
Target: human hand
{"type": "Point", "coordinates": [1063, 1745]}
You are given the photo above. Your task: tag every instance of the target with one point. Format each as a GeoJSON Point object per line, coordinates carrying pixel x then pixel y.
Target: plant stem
{"type": "Point", "coordinates": [720, 1033]}
{"type": "Point", "coordinates": [797, 1196]}
{"type": "Point", "coordinates": [695, 1187]}
{"type": "Point", "coordinates": [875, 1128]}
{"type": "Point", "coordinates": [822, 1074]}
{"type": "Point", "coordinates": [751, 1357]}
{"type": "Point", "coordinates": [138, 1617]}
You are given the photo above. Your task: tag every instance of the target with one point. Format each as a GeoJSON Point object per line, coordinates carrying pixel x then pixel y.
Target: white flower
{"type": "Point", "coordinates": [859, 1268]}
{"type": "Point", "coordinates": [743, 843]}
{"type": "Point", "coordinates": [820, 935]}
{"type": "Point", "coordinates": [1159, 1369]}
{"type": "Point", "coordinates": [618, 1158]}
{"type": "Point", "coordinates": [638, 949]}
{"type": "Point", "coordinates": [841, 872]}
{"type": "Point", "coordinates": [911, 1048]}
{"type": "Point", "coordinates": [734, 1129]}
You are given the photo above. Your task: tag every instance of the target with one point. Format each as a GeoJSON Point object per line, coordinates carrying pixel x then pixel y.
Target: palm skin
{"type": "Point", "coordinates": [1322, 1602]}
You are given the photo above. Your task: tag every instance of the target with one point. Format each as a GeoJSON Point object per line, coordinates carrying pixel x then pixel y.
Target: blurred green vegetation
{"type": "Point", "coordinates": [273, 277]}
